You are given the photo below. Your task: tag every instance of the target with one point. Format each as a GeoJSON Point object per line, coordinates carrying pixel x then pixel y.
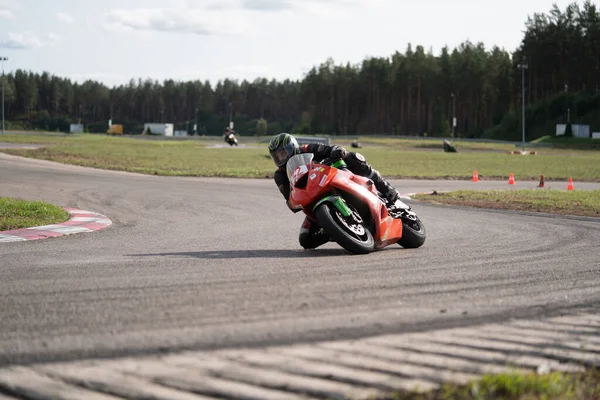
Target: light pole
{"type": "Point", "coordinates": [2, 59]}
{"type": "Point", "coordinates": [230, 114]}
{"type": "Point", "coordinates": [453, 114]}
{"type": "Point", "coordinates": [523, 67]}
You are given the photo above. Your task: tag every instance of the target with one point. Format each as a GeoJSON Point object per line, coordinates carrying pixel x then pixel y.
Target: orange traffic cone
{"type": "Point", "coordinates": [475, 177]}
{"type": "Point", "coordinates": [541, 181]}
{"type": "Point", "coordinates": [570, 186]}
{"type": "Point", "coordinates": [511, 179]}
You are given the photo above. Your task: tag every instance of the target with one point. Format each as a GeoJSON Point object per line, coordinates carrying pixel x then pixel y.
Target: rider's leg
{"type": "Point", "coordinates": [312, 235]}
{"type": "Point", "coordinates": [358, 164]}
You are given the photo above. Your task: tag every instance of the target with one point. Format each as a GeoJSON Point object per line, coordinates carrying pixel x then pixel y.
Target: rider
{"type": "Point", "coordinates": [283, 146]}
{"type": "Point", "coordinates": [226, 132]}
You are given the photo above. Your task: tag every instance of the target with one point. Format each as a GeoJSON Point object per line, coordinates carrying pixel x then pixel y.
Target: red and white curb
{"type": "Point", "coordinates": [81, 221]}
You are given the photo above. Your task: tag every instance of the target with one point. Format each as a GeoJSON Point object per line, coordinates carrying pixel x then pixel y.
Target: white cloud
{"type": "Point", "coordinates": [272, 5]}
{"type": "Point", "coordinates": [53, 39]}
{"type": "Point", "coordinates": [7, 8]}
{"type": "Point", "coordinates": [268, 5]}
{"type": "Point", "coordinates": [28, 40]}
{"type": "Point", "coordinates": [217, 17]}
{"type": "Point", "coordinates": [64, 17]}
{"type": "Point", "coordinates": [181, 20]}
{"type": "Point", "coordinates": [311, 6]}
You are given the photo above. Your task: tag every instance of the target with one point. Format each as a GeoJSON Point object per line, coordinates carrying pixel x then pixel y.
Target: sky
{"type": "Point", "coordinates": [113, 41]}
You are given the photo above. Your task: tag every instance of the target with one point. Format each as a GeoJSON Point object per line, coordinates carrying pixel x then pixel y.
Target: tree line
{"type": "Point", "coordinates": [414, 92]}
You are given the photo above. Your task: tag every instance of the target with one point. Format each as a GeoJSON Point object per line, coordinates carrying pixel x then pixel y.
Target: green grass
{"type": "Point", "coordinates": [556, 385]}
{"type": "Point", "coordinates": [159, 157]}
{"type": "Point", "coordinates": [413, 164]}
{"type": "Point", "coordinates": [584, 203]}
{"type": "Point", "coordinates": [409, 158]}
{"type": "Point", "coordinates": [392, 157]}
{"type": "Point", "coordinates": [38, 138]}
{"type": "Point", "coordinates": [432, 144]}
{"type": "Point", "coordinates": [562, 142]}
{"type": "Point", "coordinates": [17, 214]}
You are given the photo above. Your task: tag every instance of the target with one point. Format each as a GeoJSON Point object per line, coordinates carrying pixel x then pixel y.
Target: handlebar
{"type": "Point", "coordinates": [330, 161]}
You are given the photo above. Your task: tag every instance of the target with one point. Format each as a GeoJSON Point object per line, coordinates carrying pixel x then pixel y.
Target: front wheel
{"type": "Point", "coordinates": [348, 232]}
{"type": "Point", "coordinates": [413, 233]}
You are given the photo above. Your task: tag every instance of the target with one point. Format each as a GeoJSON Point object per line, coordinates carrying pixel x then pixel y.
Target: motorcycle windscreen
{"type": "Point", "coordinates": [301, 161]}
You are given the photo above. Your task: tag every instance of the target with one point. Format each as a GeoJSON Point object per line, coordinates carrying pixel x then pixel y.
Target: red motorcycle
{"type": "Point", "coordinates": [349, 207]}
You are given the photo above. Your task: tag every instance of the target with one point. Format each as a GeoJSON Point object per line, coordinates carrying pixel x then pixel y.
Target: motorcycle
{"type": "Point", "coordinates": [349, 207]}
{"type": "Point", "coordinates": [231, 139]}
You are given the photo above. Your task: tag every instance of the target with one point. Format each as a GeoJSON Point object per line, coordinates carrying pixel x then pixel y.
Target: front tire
{"type": "Point", "coordinates": [413, 233]}
{"type": "Point", "coordinates": [348, 233]}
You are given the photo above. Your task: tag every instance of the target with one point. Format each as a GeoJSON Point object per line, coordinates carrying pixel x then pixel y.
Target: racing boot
{"type": "Point", "coordinates": [312, 236]}
{"type": "Point", "coordinates": [384, 187]}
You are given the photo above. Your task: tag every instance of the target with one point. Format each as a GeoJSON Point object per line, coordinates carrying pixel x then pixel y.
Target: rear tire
{"type": "Point", "coordinates": [413, 234]}
{"type": "Point", "coordinates": [355, 238]}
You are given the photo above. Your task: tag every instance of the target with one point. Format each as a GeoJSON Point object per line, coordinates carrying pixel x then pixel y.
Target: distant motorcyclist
{"type": "Point", "coordinates": [284, 146]}
{"type": "Point", "coordinates": [226, 132]}
{"type": "Point", "coordinates": [229, 136]}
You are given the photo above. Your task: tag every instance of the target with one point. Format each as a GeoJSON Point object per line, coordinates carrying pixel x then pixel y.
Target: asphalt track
{"type": "Point", "coordinates": [198, 263]}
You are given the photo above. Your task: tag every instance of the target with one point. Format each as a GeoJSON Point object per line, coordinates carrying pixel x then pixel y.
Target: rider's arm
{"type": "Point", "coordinates": [322, 151]}
{"type": "Point", "coordinates": [283, 183]}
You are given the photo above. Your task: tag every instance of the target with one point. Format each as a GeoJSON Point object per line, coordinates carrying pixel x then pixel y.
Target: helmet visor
{"type": "Point", "coordinates": [279, 156]}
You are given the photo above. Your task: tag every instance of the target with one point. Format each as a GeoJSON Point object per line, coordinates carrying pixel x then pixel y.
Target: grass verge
{"type": "Point", "coordinates": [556, 385]}
{"type": "Point", "coordinates": [154, 157]}
{"type": "Point", "coordinates": [398, 159]}
{"type": "Point", "coordinates": [425, 143]}
{"type": "Point", "coordinates": [570, 142]}
{"type": "Point", "coordinates": [582, 203]}
{"type": "Point", "coordinates": [17, 214]}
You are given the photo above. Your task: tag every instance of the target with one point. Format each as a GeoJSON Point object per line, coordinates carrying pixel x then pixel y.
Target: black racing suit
{"type": "Point", "coordinates": [311, 235]}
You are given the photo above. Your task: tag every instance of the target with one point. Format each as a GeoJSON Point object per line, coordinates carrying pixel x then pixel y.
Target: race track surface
{"type": "Point", "coordinates": [198, 263]}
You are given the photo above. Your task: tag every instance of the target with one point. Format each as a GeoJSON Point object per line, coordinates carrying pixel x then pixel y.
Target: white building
{"type": "Point", "coordinates": [158, 129]}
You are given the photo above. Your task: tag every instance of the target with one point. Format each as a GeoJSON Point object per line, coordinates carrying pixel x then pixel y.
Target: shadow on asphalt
{"type": "Point", "coordinates": [241, 254]}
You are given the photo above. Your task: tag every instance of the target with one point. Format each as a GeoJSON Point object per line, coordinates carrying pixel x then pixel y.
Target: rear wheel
{"type": "Point", "coordinates": [413, 233]}
{"type": "Point", "coordinates": [348, 232]}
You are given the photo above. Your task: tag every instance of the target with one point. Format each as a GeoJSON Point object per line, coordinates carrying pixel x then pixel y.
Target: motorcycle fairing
{"type": "Point", "coordinates": [312, 184]}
